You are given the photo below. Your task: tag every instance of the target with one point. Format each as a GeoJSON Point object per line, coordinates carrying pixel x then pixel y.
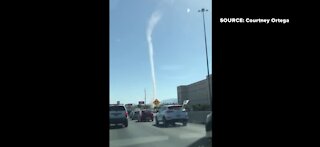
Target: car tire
{"type": "Point", "coordinates": [126, 124]}
{"type": "Point", "coordinates": [165, 122]}
{"type": "Point", "coordinates": [184, 123]}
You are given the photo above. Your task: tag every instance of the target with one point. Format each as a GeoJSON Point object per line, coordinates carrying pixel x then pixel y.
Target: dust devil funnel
{"type": "Point", "coordinates": [155, 17]}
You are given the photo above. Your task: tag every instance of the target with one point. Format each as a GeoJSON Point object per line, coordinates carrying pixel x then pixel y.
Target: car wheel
{"type": "Point", "coordinates": [184, 123]}
{"type": "Point", "coordinates": [165, 122]}
{"type": "Point", "coordinates": [126, 124]}
{"type": "Point", "coordinates": [157, 122]}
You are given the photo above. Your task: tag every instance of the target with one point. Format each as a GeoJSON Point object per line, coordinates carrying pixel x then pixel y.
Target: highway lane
{"type": "Point", "coordinates": [147, 134]}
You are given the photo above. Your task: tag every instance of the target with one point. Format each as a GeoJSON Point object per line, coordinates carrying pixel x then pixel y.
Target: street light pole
{"type": "Point", "coordinates": [145, 97]}
{"type": "Point", "coordinates": [205, 40]}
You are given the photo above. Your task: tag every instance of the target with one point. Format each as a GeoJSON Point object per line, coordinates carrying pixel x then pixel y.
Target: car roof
{"type": "Point", "coordinates": [173, 105]}
{"type": "Point", "coordinates": [170, 105]}
{"type": "Point", "coordinates": [116, 105]}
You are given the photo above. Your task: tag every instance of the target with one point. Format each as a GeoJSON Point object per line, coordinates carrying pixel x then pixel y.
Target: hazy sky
{"type": "Point", "coordinates": [157, 45]}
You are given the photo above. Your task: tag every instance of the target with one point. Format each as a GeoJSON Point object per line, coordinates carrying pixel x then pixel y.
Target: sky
{"type": "Point", "coordinates": [157, 45]}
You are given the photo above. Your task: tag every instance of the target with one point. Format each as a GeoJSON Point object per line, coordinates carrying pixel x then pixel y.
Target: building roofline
{"type": "Point", "coordinates": [196, 82]}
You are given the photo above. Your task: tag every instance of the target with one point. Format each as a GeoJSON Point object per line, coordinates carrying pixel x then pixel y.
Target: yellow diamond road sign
{"type": "Point", "coordinates": [156, 102]}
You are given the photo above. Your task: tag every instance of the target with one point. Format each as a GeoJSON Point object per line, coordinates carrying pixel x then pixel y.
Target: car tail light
{"type": "Point", "coordinates": [126, 114]}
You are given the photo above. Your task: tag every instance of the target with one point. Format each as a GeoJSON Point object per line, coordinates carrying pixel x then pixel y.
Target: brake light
{"type": "Point", "coordinates": [126, 114]}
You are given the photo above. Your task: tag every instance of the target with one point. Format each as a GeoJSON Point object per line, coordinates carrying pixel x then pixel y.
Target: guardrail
{"type": "Point", "coordinates": [198, 116]}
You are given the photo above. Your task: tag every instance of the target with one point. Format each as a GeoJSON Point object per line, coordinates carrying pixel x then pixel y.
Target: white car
{"type": "Point", "coordinates": [170, 114]}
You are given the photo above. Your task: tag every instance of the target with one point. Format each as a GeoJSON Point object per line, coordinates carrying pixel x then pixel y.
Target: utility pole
{"type": "Point", "coordinates": [205, 40]}
{"type": "Point", "coordinates": [145, 97]}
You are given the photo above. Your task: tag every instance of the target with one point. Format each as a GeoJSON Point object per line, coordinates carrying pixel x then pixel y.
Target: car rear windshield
{"type": "Point", "coordinates": [117, 108]}
{"type": "Point", "coordinates": [175, 108]}
{"type": "Point", "coordinates": [147, 111]}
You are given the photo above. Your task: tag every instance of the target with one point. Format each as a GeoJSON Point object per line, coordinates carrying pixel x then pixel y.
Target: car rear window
{"type": "Point", "coordinates": [117, 108]}
{"type": "Point", "coordinates": [175, 108]}
{"type": "Point", "coordinates": [146, 111]}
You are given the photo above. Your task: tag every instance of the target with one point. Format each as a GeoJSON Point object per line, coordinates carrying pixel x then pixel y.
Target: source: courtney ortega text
{"type": "Point", "coordinates": [255, 20]}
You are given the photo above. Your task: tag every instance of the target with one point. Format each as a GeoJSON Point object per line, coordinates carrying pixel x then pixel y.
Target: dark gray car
{"type": "Point", "coordinates": [118, 115]}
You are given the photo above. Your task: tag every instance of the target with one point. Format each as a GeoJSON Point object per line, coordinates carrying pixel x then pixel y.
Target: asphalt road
{"type": "Point", "coordinates": [146, 134]}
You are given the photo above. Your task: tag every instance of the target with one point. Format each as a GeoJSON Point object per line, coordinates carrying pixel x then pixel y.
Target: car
{"type": "Point", "coordinates": [134, 114]}
{"type": "Point", "coordinates": [131, 114]}
{"type": "Point", "coordinates": [118, 115]}
{"type": "Point", "coordinates": [129, 111]}
{"type": "Point", "coordinates": [170, 114]}
{"type": "Point", "coordinates": [145, 115]}
{"type": "Point", "coordinates": [209, 125]}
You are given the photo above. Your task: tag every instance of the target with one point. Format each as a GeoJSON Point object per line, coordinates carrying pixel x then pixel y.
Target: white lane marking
{"type": "Point", "coordinates": [135, 141]}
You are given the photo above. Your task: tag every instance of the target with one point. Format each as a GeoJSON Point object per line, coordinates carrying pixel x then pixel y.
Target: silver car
{"type": "Point", "coordinates": [134, 115]}
{"type": "Point", "coordinates": [170, 114]}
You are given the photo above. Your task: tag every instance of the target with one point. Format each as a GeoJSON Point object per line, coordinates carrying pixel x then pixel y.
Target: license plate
{"type": "Point", "coordinates": [178, 115]}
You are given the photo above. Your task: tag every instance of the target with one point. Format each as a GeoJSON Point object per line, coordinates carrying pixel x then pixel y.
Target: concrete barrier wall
{"type": "Point", "coordinates": [198, 116]}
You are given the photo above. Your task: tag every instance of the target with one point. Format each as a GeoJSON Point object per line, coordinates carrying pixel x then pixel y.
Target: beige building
{"type": "Point", "coordinates": [197, 92]}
